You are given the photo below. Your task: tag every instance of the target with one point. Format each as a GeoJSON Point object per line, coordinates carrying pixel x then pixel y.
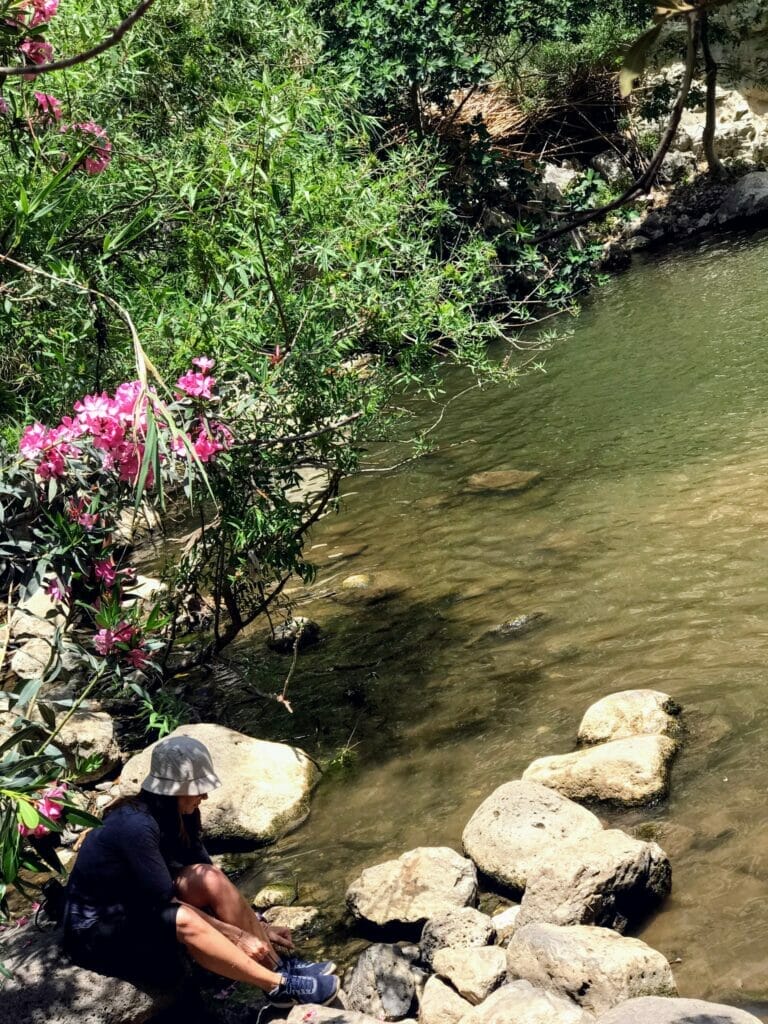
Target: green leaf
{"type": "Point", "coordinates": [28, 813]}
{"type": "Point", "coordinates": [635, 58]}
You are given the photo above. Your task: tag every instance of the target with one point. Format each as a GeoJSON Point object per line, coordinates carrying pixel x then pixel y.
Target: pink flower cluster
{"type": "Point", "coordinates": [99, 146]}
{"type": "Point", "coordinates": [48, 805]}
{"type": "Point", "coordinates": [125, 639]}
{"type": "Point", "coordinates": [115, 425]}
{"type": "Point", "coordinates": [37, 12]}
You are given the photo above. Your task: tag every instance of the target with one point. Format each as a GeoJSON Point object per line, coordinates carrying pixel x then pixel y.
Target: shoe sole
{"type": "Point", "coordinates": [294, 1002]}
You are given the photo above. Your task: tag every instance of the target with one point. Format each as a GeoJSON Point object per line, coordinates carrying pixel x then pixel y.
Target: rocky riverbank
{"type": "Point", "coordinates": [567, 890]}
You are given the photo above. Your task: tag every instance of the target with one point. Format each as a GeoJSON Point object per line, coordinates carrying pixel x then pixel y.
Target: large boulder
{"type": "Point", "coordinates": [595, 967]}
{"type": "Point", "coordinates": [657, 1010]}
{"type": "Point", "coordinates": [90, 735]}
{"type": "Point", "coordinates": [631, 772]}
{"type": "Point", "coordinates": [381, 983]}
{"type": "Point", "coordinates": [420, 884]}
{"type": "Point", "coordinates": [630, 713]}
{"type": "Point", "coordinates": [745, 198]}
{"type": "Point", "coordinates": [462, 927]}
{"type": "Point", "coordinates": [265, 789]}
{"type": "Point", "coordinates": [518, 825]}
{"type": "Point", "coordinates": [440, 1004]}
{"type": "Point", "coordinates": [46, 988]}
{"type": "Point", "coordinates": [519, 1002]}
{"type": "Point", "coordinates": [474, 972]}
{"type": "Point", "coordinates": [608, 879]}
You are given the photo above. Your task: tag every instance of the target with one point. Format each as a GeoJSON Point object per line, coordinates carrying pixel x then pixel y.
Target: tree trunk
{"type": "Point", "coordinates": [716, 168]}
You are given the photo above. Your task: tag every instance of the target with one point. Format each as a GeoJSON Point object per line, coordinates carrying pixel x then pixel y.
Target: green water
{"type": "Point", "coordinates": [646, 546]}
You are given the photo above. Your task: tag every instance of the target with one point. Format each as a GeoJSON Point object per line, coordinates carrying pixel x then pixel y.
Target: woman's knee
{"type": "Point", "coordinates": [201, 884]}
{"type": "Point", "coordinates": [189, 924]}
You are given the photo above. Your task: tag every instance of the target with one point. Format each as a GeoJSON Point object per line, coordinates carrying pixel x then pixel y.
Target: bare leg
{"type": "Point", "coordinates": [203, 885]}
{"type": "Point", "coordinates": [216, 953]}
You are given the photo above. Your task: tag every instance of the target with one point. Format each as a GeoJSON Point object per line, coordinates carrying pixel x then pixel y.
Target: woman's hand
{"type": "Point", "coordinates": [280, 936]}
{"type": "Point", "coordinates": [257, 950]}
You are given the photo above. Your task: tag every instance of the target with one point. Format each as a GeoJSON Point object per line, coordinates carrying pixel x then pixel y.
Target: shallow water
{"type": "Point", "coordinates": [645, 545]}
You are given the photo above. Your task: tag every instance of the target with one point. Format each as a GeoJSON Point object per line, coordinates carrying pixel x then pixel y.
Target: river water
{"type": "Point", "coordinates": [646, 548]}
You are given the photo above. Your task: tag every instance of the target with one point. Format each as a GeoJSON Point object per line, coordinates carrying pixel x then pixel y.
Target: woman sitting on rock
{"type": "Point", "coordinates": [143, 886]}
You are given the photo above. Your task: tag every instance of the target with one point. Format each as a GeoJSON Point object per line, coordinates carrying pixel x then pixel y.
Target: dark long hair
{"type": "Point", "coordinates": [184, 828]}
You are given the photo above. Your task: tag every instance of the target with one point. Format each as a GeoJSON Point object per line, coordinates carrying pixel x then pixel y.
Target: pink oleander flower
{"type": "Point", "coordinates": [206, 447]}
{"type": "Point", "coordinates": [33, 440]}
{"type": "Point", "coordinates": [125, 633]}
{"type": "Point", "coordinates": [4, 108]}
{"type": "Point", "coordinates": [126, 397]}
{"type": "Point", "coordinates": [42, 12]}
{"type": "Point", "coordinates": [99, 146]}
{"type": "Point", "coordinates": [52, 465]}
{"type": "Point", "coordinates": [93, 408]}
{"type": "Point", "coordinates": [56, 590]}
{"type": "Point", "coordinates": [49, 808]}
{"type": "Point", "coordinates": [105, 571]}
{"type": "Point", "coordinates": [37, 52]}
{"type": "Point", "coordinates": [37, 832]}
{"type": "Point", "coordinates": [104, 641]}
{"type": "Point", "coordinates": [49, 107]}
{"type": "Point", "coordinates": [196, 384]}
{"type": "Point", "coordinates": [204, 364]}
{"type": "Point", "coordinates": [57, 792]}
{"type": "Point", "coordinates": [137, 657]}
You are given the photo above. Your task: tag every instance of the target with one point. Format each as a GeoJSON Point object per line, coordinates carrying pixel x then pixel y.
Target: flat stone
{"type": "Point", "coordinates": [46, 988]}
{"type": "Point", "coordinates": [519, 1002]}
{"type": "Point", "coordinates": [312, 1014]}
{"type": "Point", "coordinates": [381, 983]}
{"type": "Point", "coordinates": [440, 1004]}
{"type": "Point", "coordinates": [29, 660]}
{"type": "Point", "coordinates": [474, 973]}
{"type": "Point", "coordinates": [517, 826]}
{"type": "Point", "coordinates": [607, 879]}
{"type": "Point", "coordinates": [631, 772]}
{"type": "Point", "coordinates": [37, 615]}
{"type": "Point", "coordinates": [657, 1010]}
{"type": "Point", "coordinates": [276, 894]}
{"type": "Point", "coordinates": [420, 884]}
{"type": "Point", "coordinates": [630, 713]}
{"type": "Point", "coordinates": [464, 927]}
{"type": "Point", "coordinates": [595, 967]}
{"type": "Point", "coordinates": [503, 481]}
{"type": "Point", "coordinates": [303, 921]}
{"type": "Point", "coordinates": [265, 791]}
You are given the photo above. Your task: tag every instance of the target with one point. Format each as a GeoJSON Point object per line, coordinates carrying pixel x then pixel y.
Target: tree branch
{"type": "Point", "coordinates": [646, 180]}
{"type": "Point", "coordinates": [112, 39]}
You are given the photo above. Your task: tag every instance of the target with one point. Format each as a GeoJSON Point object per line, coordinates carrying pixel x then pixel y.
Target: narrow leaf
{"type": "Point", "coordinates": [634, 61]}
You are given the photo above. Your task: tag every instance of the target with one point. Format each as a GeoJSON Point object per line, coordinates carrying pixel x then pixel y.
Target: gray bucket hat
{"type": "Point", "coordinates": [181, 766]}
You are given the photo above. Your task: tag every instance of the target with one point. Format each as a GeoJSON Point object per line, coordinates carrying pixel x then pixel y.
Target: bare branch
{"type": "Point", "coordinates": [112, 39]}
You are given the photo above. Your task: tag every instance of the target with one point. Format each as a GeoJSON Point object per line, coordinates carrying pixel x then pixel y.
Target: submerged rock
{"type": "Point", "coordinates": [596, 967]}
{"type": "Point", "coordinates": [463, 928]}
{"type": "Point", "coordinates": [303, 921]}
{"type": "Point", "coordinates": [516, 827]}
{"type": "Point", "coordinates": [607, 879]}
{"type": "Point", "coordinates": [420, 884]}
{"type": "Point", "coordinates": [370, 588]}
{"type": "Point", "coordinates": [519, 1002]}
{"type": "Point", "coordinates": [631, 772]}
{"type": "Point", "coordinates": [657, 1010]}
{"type": "Point", "coordinates": [275, 894]}
{"type": "Point", "coordinates": [519, 626]}
{"type": "Point", "coordinates": [630, 713]}
{"type": "Point", "coordinates": [297, 632]}
{"type": "Point", "coordinates": [503, 481]}
{"type": "Point", "coordinates": [265, 791]}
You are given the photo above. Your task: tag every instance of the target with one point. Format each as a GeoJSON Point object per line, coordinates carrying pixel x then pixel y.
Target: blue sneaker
{"type": "Point", "coordinates": [304, 988]}
{"type": "Point", "coordinates": [294, 965]}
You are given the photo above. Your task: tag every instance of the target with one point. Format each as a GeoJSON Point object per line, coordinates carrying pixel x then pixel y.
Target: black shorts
{"type": "Point", "coordinates": [139, 949]}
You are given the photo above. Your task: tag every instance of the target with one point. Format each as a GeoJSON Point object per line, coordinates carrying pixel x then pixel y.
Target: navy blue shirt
{"type": "Point", "coordinates": [127, 867]}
